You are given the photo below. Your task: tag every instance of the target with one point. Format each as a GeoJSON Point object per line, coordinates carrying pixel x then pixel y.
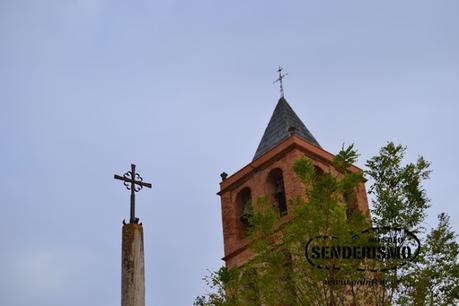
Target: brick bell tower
{"type": "Point", "coordinates": [270, 174]}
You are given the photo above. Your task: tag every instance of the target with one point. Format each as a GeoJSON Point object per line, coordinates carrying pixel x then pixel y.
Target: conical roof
{"type": "Point", "coordinates": [282, 124]}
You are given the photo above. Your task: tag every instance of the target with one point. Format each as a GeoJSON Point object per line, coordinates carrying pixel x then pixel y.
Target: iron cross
{"type": "Point", "coordinates": [133, 182]}
{"type": "Point", "coordinates": [281, 76]}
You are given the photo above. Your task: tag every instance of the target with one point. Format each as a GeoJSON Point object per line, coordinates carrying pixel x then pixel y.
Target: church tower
{"type": "Point", "coordinates": [270, 175]}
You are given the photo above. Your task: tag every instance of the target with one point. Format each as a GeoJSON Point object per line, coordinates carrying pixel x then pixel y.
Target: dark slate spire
{"type": "Point", "coordinates": [282, 124]}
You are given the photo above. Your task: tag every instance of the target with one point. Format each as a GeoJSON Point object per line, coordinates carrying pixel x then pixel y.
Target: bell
{"type": "Point", "coordinates": [247, 211]}
{"type": "Point", "coordinates": [279, 187]}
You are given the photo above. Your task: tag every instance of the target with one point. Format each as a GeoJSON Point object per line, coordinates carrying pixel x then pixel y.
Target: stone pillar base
{"type": "Point", "coordinates": [132, 266]}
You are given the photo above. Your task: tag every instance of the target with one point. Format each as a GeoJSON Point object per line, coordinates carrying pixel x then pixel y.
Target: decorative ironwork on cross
{"type": "Point", "coordinates": [133, 182]}
{"type": "Point", "coordinates": [281, 76]}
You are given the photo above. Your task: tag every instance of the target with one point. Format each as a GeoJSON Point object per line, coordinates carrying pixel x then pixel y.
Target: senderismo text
{"type": "Point", "coordinates": [360, 252]}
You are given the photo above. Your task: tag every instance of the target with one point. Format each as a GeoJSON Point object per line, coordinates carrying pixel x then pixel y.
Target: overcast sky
{"type": "Point", "coordinates": [184, 90]}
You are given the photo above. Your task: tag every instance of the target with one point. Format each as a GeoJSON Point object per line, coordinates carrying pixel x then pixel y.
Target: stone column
{"type": "Point", "coordinates": [132, 266]}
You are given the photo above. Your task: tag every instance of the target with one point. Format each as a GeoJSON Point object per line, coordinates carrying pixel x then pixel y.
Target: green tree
{"type": "Point", "coordinates": [279, 274]}
{"type": "Point", "coordinates": [435, 278]}
{"type": "Point", "coordinates": [398, 197]}
{"type": "Point", "coordinates": [398, 200]}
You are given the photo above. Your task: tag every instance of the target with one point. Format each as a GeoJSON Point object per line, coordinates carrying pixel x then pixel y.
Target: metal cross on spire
{"type": "Point", "coordinates": [133, 182]}
{"type": "Point", "coordinates": [281, 76]}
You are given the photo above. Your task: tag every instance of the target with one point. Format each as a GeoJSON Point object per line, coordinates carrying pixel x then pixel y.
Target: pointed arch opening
{"type": "Point", "coordinates": [244, 209]}
{"type": "Point", "coordinates": [318, 171]}
{"type": "Point", "coordinates": [350, 199]}
{"type": "Point", "coordinates": [276, 188]}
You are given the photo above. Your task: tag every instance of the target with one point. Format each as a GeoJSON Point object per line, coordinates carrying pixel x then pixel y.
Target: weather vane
{"type": "Point", "coordinates": [281, 76]}
{"type": "Point", "coordinates": [133, 182]}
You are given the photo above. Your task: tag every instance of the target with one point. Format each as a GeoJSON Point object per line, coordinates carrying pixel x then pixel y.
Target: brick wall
{"type": "Point", "coordinates": [255, 177]}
